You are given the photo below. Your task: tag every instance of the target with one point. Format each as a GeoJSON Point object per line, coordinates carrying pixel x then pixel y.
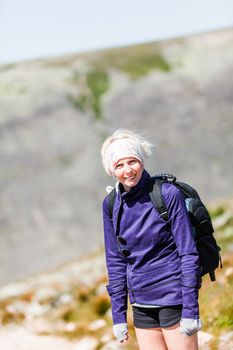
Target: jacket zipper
{"type": "Point", "coordinates": [118, 226]}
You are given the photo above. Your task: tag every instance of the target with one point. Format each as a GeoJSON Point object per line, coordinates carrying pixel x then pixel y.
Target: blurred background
{"type": "Point", "coordinates": [71, 73]}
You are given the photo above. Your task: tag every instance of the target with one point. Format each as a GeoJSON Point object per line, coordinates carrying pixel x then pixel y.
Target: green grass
{"type": "Point", "coordinates": [6, 67]}
{"type": "Point", "coordinates": [138, 66]}
{"type": "Point", "coordinates": [222, 213]}
{"type": "Point", "coordinates": [216, 303]}
{"type": "Point", "coordinates": [96, 84]}
{"type": "Point", "coordinates": [214, 213]}
{"type": "Point", "coordinates": [136, 61]}
{"type": "Point", "coordinates": [7, 89]}
{"type": "Point", "coordinates": [65, 160]}
{"type": "Point", "coordinates": [225, 238]}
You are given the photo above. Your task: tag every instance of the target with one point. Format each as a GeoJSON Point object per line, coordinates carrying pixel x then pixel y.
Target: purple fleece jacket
{"type": "Point", "coordinates": [151, 261]}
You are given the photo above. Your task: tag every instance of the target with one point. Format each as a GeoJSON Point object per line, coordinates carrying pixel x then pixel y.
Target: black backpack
{"type": "Point", "coordinates": [208, 250]}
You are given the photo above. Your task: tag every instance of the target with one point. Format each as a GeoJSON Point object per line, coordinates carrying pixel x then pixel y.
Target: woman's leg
{"type": "Point", "coordinates": [177, 340]}
{"type": "Point", "coordinates": [151, 339]}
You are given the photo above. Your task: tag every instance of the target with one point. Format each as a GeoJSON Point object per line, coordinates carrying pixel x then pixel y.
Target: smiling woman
{"type": "Point", "coordinates": [128, 171]}
{"type": "Point", "coordinates": [154, 263]}
{"type": "Point", "coordinates": [122, 144]}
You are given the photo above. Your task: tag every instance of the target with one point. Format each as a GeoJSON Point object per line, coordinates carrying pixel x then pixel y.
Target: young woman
{"type": "Point", "coordinates": [153, 262]}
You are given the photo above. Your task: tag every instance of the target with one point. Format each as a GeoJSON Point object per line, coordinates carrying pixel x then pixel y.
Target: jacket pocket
{"type": "Point", "coordinates": [148, 278]}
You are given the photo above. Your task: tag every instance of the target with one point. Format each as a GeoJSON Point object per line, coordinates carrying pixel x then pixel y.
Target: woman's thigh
{"type": "Point", "coordinates": [151, 339]}
{"type": "Point", "coordinates": [177, 340]}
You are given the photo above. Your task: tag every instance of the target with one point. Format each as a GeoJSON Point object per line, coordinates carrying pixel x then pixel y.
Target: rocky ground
{"type": "Point", "coordinates": [42, 312]}
{"type": "Point", "coordinates": [32, 311]}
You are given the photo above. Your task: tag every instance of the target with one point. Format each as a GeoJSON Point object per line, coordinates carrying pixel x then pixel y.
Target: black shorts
{"type": "Point", "coordinates": [156, 317]}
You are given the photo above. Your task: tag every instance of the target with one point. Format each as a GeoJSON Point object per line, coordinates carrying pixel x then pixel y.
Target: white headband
{"type": "Point", "coordinates": [119, 149]}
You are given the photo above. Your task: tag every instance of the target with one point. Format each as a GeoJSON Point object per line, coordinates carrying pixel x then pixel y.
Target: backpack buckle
{"type": "Point", "coordinates": [170, 178]}
{"type": "Point", "coordinates": [164, 215]}
{"type": "Point", "coordinates": [166, 177]}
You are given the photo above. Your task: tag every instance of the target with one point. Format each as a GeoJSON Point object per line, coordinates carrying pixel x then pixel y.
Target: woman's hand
{"type": "Point", "coordinates": [120, 331]}
{"type": "Point", "coordinates": [190, 326]}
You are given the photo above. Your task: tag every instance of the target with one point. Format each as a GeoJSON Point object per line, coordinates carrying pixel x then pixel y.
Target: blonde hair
{"type": "Point", "coordinates": [129, 143]}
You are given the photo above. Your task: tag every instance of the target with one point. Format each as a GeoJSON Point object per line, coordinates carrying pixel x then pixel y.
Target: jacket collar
{"type": "Point", "coordinates": [136, 190]}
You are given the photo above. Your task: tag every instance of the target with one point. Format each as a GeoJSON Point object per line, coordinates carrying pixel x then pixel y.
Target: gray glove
{"type": "Point", "coordinates": [190, 326]}
{"type": "Point", "coordinates": [120, 331]}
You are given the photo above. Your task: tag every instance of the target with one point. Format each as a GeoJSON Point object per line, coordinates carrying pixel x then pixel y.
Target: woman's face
{"type": "Point", "coordinates": [128, 171]}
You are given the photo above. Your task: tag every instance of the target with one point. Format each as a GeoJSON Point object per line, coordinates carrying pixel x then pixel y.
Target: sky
{"type": "Point", "coordinates": [32, 29]}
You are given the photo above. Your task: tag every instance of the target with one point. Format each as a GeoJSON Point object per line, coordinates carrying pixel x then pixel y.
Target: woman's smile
{"type": "Point", "coordinates": [128, 171]}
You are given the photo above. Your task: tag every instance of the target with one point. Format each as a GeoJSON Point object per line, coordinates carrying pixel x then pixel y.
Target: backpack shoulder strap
{"type": "Point", "coordinates": [155, 193]}
{"type": "Point", "coordinates": [111, 201]}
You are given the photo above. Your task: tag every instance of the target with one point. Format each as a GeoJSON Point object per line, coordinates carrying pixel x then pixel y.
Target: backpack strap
{"type": "Point", "coordinates": [111, 201]}
{"type": "Point", "coordinates": [155, 193]}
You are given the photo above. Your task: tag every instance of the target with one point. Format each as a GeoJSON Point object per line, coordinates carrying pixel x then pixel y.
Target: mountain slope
{"type": "Point", "coordinates": [56, 113]}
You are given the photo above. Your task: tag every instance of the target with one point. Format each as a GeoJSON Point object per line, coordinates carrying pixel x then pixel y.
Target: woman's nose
{"type": "Point", "coordinates": [128, 168]}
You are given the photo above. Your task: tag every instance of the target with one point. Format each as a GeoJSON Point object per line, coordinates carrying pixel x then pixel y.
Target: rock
{"type": "Point", "coordinates": [222, 220]}
{"type": "Point", "coordinates": [17, 338]}
{"type": "Point", "coordinates": [63, 327]}
{"type": "Point", "coordinates": [17, 307]}
{"type": "Point", "coordinates": [226, 341]}
{"type": "Point", "coordinates": [227, 277]}
{"type": "Point", "coordinates": [229, 273]}
{"type": "Point", "coordinates": [13, 290]}
{"type": "Point", "coordinates": [106, 338]}
{"type": "Point", "coordinates": [204, 340]}
{"type": "Point", "coordinates": [112, 345]}
{"type": "Point", "coordinates": [59, 325]}
{"type": "Point", "coordinates": [109, 314]}
{"type": "Point", "coordinates": [38, 326]}
{"type": "Point", "coordinates": [36, 310]}
{"type": "Point", "coordinates": [101, 289]}
{"type": "Point", "coordinates": [70, 327]}
{"type": "Point", "coordinates": [95, 325]}
{"type": "Point", "coordinates": [27, 310]}
{"type": "Point", "coordinates": [86, 343]}
{"type": "Point", "coordinates": [65, 299]}
{"type": "Point", "coordinates": [45, 294]}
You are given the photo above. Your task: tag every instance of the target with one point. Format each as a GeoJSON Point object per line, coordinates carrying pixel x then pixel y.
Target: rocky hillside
{"type": "Point", "coordinates": [55, 113]}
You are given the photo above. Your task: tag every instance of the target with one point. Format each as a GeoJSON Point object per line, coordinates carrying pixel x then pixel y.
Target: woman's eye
{"type": "Point", "coordinates": [118, 166]}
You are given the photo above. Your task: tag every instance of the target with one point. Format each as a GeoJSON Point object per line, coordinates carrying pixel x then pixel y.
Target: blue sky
{"type": "Point", "coordinates": [45, 28]}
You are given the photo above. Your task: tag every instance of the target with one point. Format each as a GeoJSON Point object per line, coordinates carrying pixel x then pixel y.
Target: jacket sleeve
{"type": "Point", "coordinates": [183, 236]}
{"type": "Point", "coordinates": [116, 266]}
